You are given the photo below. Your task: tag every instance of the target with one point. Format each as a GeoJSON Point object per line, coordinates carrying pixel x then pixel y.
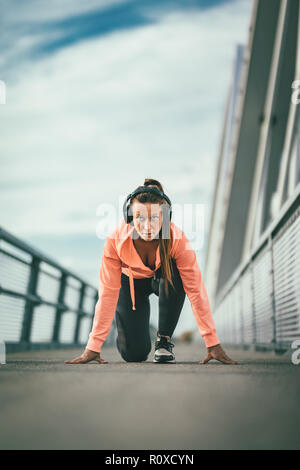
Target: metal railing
{"type": "Point", "coordinates": [260, 304]}
{"type": "Point", "coordinates": [42, 304]}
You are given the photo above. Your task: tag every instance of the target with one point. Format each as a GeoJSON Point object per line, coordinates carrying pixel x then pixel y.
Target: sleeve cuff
{"type": "Point", "coordinates": [94, 344]}
{"type": "Point", "coordinates": [211, 339]}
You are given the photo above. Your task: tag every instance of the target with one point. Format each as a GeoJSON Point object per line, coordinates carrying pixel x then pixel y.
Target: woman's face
{"type": "Point", "coordinates": [147, 219]}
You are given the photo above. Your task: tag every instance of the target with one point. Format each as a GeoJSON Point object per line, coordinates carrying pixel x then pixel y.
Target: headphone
{"type": "Point", "coordinates": [127, 217]}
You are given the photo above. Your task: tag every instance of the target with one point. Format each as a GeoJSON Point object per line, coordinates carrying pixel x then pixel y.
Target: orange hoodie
{"type": "Point", "coordinates": [120, 255]}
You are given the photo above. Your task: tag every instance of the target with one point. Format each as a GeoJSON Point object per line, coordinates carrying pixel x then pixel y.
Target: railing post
{"type": "Point", "coordinates": [95, 300]}
{"type": "Point", "coordinates": [79, 315]}
{"type": "Point", "coordinates": [60, 309]}
{"type": "Point", "coordinates": [2, 352]}
{"type": "Point", "coordinates": [30, 304]}
{"type": "Point", "coordinates": [253, 302]}
{"type": "Point", "coordinates": [241, 310]}
{"type": "Point", "coordinates": [270, 242]}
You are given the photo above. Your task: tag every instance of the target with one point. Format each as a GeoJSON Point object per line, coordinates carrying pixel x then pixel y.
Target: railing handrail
{"type": "Point", "coordinates": [15, 241]}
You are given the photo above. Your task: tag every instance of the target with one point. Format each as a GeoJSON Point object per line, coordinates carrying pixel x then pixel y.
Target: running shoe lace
{"type": "Point", "coordinates": [164, 343]}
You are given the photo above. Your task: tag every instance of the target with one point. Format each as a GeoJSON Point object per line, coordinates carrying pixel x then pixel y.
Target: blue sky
{"type": "Point", "coordinates": [100, 95]}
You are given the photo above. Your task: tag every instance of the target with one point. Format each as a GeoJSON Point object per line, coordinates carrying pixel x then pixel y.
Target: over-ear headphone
{"type": "Point", "coordinates": [127, 217]}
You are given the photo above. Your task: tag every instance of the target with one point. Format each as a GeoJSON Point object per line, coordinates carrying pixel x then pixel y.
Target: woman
{"type": "Point", "coordinates": [147, 253]}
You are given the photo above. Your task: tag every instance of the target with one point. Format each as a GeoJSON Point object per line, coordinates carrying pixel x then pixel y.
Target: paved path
{"type": "Point", "coordinates": [46, 404]}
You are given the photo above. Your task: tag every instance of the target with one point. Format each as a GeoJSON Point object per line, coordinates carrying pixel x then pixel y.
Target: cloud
{"type": "Point", "coordinates": [15, 12]}
{"type": "Point", "coordinates": [41, 28]}
{"type": "Point", "coordinates": [142, 101]}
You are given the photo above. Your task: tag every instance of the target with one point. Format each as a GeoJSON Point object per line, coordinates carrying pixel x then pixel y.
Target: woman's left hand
{"type": "Point", "coordinates": [218, 353]}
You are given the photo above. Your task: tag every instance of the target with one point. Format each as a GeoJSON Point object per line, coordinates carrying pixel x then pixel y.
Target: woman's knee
{"type": "Point", "coordinates": [134, 356]}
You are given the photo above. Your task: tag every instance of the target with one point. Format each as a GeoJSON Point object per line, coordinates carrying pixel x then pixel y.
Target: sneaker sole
{"type": "Point", "coordinates": [164, 360]}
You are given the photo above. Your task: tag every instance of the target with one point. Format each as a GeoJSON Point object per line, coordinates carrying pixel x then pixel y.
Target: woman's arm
{"type": "Point", "coordinates": [190, 274]}
{"type": "Point", "coordinates": [108, 290]}
{"type": "Point", "coordinates": [194, 287]}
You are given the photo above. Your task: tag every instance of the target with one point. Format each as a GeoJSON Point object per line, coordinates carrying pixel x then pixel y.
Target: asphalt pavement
{"type": "Point", "coordinates": [47, 404]}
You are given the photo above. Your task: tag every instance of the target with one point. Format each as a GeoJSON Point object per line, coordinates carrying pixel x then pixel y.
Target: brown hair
{"type": "Point", "coordinates": [165, 244]}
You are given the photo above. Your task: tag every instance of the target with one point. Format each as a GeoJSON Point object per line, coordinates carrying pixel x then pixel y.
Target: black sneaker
{"type": "Point", "coordinates": [163, 350]}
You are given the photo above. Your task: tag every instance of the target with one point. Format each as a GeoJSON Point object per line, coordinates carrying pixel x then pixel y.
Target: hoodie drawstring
{"type": "Point", "coordinates": [131, 288]}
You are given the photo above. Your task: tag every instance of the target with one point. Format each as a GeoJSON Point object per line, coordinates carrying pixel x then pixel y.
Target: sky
{"type": "Point", "coordinates": [101, 95]}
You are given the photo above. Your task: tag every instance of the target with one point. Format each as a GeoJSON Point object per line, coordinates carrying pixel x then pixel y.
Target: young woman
{"type": "Point", "coordinates": [147, 253]}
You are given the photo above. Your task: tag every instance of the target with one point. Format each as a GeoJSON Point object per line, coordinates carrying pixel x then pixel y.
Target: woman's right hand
{"type": "Point", "coordinates": [87, 356]}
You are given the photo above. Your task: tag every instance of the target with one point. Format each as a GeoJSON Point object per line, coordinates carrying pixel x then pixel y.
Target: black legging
{"type": "Point", "coordinates": [133, 340]}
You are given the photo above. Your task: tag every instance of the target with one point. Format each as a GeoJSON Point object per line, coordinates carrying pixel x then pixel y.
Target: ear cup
{"type": "Point", "coordinates": [127, 217]}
